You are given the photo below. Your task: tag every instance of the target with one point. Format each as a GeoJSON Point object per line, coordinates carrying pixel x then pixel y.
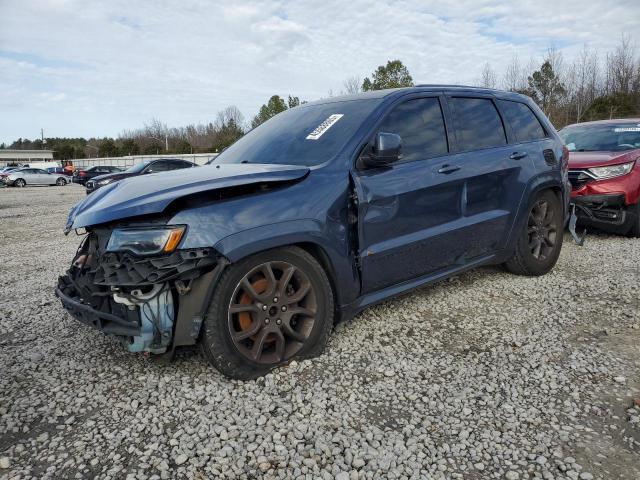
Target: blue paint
{"type": "Point", "coordinates": [414, 224]}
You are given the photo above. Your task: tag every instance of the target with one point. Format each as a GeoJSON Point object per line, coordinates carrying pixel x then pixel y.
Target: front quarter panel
{"type": "Point", "coordinates": [313, 211]}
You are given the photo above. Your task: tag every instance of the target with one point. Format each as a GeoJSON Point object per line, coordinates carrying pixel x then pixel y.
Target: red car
{"type": "Point", "coordinates": [604, 170]}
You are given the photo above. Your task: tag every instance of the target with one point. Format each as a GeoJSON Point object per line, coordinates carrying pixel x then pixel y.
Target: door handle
{"type": "Point", "coordinates": [446, 169]}
{"type": "Point", "coordinates": [517, 155]}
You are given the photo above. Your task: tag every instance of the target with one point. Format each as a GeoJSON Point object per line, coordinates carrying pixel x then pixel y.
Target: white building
{"type": "Point", "coordinates": [20, 157]}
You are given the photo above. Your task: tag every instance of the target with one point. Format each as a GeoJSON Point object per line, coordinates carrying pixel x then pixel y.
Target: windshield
{"type": "Point", "coordinates": [606, 137]}
{"type": "Point", "coordinates": [138, 167]}
{"type": "Point", "coordinates": [305, 135]}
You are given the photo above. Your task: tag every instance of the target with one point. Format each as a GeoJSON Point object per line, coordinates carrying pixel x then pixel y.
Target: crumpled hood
{"type": "Point", "coordinates": [148, 194]}
{"type": "Point", "coordinates": [601, 159]}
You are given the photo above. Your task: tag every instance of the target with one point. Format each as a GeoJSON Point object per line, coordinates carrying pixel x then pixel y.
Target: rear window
{"type": "Point", "coordinates": [478, 124]}
{"type": "Point", "coordinates": [523, 122]}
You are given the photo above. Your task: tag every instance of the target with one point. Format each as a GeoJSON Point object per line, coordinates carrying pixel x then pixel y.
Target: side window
{"type": "Point", "coordinates": [177, 165]}
{"type": "Point", "coordinates": [478, 124]}
{"type": "Point", "coordinates": [525, 125]}
{"type": "Point", "coordinates": [421, 126]}
{"type": "Point", "coordinates": [40, 171]}
{"type": "Point", "coordinates": [158, 167]}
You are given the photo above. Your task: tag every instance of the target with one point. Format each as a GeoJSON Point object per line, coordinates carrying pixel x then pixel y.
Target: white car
{"type": "Point", "coordinates": [34, 176]}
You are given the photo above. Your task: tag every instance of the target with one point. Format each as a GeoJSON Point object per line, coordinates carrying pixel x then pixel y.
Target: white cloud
{"type": "Point", "coordinates": [85, 68]}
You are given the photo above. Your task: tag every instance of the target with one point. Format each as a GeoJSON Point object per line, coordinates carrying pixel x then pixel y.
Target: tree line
{"type": "Point", "coordinates": [590, 87]}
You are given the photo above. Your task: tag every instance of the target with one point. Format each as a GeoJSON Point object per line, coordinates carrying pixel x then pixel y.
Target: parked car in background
{"type": "Point", "coordinates": [319, 212]}
{"type": "Point", "coordinates": [604, 170]}
{"type": "Point", "coordinates": [82, 175]}
{"type": "Point", "coordinates": [144, 168]}
{"type": "Point", "coordinates": [58, 171]}
{"type": "Point", "coordinates": [4, 171]}
{"type": "Point", "coordinates": [22, 177]}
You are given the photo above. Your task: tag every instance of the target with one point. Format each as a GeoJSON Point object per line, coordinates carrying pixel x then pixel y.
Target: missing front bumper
{"type": "Point", "coordinates": [154, 303]}
{"type": "Point", "coordinates": [106, 322]}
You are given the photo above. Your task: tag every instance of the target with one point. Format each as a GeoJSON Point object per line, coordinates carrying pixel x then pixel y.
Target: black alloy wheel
{"type": "Point", "coordinates": [539, 244]}
{"type": "Point", "coordinates": [541, 230]}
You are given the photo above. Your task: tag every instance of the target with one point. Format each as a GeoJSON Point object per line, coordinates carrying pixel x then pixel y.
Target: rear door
{"type": "Point", "coordinates": [43, 177]}
{"type": "Point", "coordinates": [496, 173]}
{"type": "Point", "coordinates": [408, 212]}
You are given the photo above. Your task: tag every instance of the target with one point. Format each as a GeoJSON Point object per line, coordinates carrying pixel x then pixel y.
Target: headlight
{"type": "Point", "coordinates": [146, 241]}
{"type": "Point", "coordinates": [612, 171]}
{"type": "Point", "coordinates": [105, 181]}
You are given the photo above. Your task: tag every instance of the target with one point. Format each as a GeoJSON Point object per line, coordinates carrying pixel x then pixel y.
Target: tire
{"type": "Point", "coordinates": [262, 331]}
{"type": "Point", "coordinates": [634, 231]}
{"type": "Point", "coordinates": [540, 240]}
{"type": "Point", "coordinates": [19, 183]}
{"type": "Point", "coordinates": [61, 182]}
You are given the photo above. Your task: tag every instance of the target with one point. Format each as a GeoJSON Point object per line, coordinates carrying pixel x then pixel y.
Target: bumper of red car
{"type": "Point", "coordinates": [609, 203]}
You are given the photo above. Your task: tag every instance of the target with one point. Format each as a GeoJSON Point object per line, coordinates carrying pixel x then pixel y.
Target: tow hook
{"type": "Point", "coordinates": [573, 219]}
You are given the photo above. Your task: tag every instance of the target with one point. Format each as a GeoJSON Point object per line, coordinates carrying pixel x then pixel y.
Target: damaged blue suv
{"type": "Point", "coordinates": [321, 211]}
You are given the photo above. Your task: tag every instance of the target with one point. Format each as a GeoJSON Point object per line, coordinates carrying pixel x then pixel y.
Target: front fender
{"type": "Point", "coordinates": [342, 271]}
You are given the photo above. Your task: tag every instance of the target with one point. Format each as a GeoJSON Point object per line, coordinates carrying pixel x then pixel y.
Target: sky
{"type": "Point", "coordinates": [95, 68]}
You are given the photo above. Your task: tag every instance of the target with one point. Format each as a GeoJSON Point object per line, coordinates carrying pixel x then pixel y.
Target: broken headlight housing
{"type": "Point", "coordinates": [146, 241]}
{"type": "Point", "coordinates": [611, 171]}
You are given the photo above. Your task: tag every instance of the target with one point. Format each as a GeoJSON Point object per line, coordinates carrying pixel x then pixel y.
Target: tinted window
{"type": "Point", "coordinates": [161, 166]}
{"type": "Point", "coordinates": [41, 172]}
{"type": "Point", "coordinates": [178, 165]}
{"type": "Point", "coordinates": [421, 126]}
{"type": "Point", "coordinates": [478, 124]}
{"type": "Point", "coordinates": [523, 122]}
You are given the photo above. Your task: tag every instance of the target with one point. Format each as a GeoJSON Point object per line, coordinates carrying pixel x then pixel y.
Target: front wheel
{"type": "Point", "coordinates": [540, 241]}
{"type": "Point", "coordinates": [266, 310]}
{"type": "Point", "coordinates": [19, 183]}
{"type": "Point", "coordinates": [60, 182]}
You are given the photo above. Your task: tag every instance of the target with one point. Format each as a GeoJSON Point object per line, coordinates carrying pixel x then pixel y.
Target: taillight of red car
{"type": "Point", "coordinates": [565, 159]}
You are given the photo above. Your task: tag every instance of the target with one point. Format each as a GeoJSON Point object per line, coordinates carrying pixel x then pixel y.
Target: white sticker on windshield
{"type": "Point", "coordinates": [627, 129]}
{"type": "Point", "coordinates": [324, 126]}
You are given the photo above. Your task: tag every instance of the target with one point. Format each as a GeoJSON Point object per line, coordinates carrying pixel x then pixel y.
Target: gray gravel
{"type": "Point", "coordinates": [486, 375]}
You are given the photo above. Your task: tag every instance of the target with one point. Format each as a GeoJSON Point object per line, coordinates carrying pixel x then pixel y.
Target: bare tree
{"type": "Point", "coordinates": [621, 68]}
{"type": "Point", "coordinates": [352, 85]}
{"type": "Point", "coordinates": [488, 77]}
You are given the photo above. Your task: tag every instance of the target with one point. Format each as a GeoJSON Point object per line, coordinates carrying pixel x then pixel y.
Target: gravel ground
{"type": "Point", "coordinates": [486, 375]}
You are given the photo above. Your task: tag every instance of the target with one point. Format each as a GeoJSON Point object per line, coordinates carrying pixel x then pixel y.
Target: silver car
{"type": "Point", "coordinates": [34, 176]}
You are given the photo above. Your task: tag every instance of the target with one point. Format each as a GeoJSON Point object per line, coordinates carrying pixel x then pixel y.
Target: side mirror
{"type": "Point", "coordinates": [385, 150]}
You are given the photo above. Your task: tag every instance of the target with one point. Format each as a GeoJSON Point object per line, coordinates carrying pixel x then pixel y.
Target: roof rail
{"type": "Point", "coordinates": [453, 86]}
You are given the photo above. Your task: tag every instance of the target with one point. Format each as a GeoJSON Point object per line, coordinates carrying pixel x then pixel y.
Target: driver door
{"type": "Point", "coordinates": [409, 211]}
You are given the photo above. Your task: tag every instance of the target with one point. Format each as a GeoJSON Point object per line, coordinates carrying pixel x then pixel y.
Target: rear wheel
{"type": "Point", "coordinates": [266, 310]}
{"type": "Point", "coordinates": [19, 183]}
{"type": "Point", "coordinates": [60, 182]}
{"type": "Point", "coordinates": [540, 241]}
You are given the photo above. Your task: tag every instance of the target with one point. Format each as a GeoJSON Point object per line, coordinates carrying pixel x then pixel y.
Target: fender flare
{"type": "Point", "coordinates": [544, 181]}
{"type": "Point", "coordinates": [340, 268]}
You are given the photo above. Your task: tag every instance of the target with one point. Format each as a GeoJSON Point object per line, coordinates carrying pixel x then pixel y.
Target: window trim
{"type": "Point", "coordinates": [513, 140]}
{"type": "Point", "coordinates": [492, 99]}
{"type": "Point", "coordinates": [446, 118]}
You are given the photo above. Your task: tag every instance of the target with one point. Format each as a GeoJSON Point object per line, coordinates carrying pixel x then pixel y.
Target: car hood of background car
{"type": "Point", "coordinates": [601, 159]}
{"type": "Point", "coordinates": [149, 194]}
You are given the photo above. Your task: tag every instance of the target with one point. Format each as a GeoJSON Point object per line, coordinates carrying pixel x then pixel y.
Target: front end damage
{"type": "Point", "coordinates": [153, 303]}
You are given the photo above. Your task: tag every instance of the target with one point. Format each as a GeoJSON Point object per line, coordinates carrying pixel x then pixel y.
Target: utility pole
{"type": "Point", "coordinates": [42, 137]}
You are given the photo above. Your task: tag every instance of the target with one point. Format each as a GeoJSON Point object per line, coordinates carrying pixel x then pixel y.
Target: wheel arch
{"type": "Point", "coordinates": [331, 253]}
{"type": "Point", "coordinates": [537, 185]}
